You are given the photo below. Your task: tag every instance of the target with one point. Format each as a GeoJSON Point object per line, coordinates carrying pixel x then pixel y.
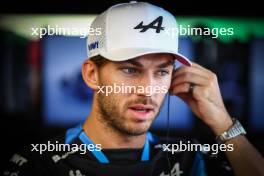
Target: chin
{"type": "Point", "coordinates": [138, 129]}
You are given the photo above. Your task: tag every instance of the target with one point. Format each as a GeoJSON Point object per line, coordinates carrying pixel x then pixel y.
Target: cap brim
{"type": "Point", "coordinates": [126, 54]}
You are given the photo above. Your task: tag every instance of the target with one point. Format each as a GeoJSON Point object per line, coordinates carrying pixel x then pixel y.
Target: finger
{"type": "Point", "coordinates": [201, 93]}
{"type": "Point", "coordinates": [194, 70]}
{"type": "Point", "coordinates": [201, 67]}
{"type": "Point", "coordinates": [180, 88]}
{"type": "Point", "coordinates": [189, 78]}
{"type": "Point", "coordinates": [212, 76]}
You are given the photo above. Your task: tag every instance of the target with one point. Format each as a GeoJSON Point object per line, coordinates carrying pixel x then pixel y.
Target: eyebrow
{"type": "Point", "coordinates": [135, 63]}
{"type": "Point", "coordinates": [166, 64]}
{"type": "Point", "coordinates": [138, 64]}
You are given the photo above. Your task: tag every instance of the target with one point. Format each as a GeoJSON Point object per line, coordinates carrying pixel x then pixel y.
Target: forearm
{"type": "Point", "coordinates": [245, 159]}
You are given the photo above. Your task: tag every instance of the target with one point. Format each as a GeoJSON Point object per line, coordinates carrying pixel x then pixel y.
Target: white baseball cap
{"type": "Point", "coordinates": [129, 30]}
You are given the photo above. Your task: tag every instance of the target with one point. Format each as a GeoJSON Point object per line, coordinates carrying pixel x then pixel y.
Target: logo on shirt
{"type": "Point", "coordinates": [75, 173]}
{"type": "Point", "coordinates": [19, 160]}
{"type": "Point", "coordinates": [175, 171]}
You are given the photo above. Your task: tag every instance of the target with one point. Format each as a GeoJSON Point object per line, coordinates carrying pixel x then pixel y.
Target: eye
{"type": "Point", "coordinates": [129, 70]}
{"type": "Point", "coordinates": [163, 72]}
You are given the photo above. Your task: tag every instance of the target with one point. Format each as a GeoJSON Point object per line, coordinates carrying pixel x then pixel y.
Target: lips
{"type": "Point", "coordinates": [142, 108]}
{"type": "Point", "coordinates": [140, 112]}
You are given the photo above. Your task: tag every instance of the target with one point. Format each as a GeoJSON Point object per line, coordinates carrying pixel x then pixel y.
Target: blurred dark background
{"type": "Point", "coordinates": [42, 92]}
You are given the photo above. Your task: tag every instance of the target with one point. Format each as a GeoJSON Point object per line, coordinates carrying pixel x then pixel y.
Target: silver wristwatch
{"type": "Point", "coordinates": [236, 130]}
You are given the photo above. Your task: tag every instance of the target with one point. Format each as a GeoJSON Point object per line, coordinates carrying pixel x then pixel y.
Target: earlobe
{"type": "Point", "coordinates": [90, 74]}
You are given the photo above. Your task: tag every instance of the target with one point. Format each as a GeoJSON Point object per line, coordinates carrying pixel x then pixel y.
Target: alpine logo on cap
{"type": "Point", "coordinates": [155, 24]}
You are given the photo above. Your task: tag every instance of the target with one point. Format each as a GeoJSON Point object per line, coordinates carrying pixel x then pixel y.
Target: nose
{"type": "Point", "coordinates": [146, 86]}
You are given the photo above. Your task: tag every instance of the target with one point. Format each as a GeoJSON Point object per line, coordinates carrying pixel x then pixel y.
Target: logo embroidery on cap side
{"type": "Point", "coordinates": [157, 22]}
{"type": "Point", "coordinates": [93, 45]}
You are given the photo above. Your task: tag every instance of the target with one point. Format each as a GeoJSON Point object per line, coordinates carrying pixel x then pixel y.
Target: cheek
{"type": "Point", "coordinates": [119, 101]}
{"type": "Point", "coordinates": [164, 86]}
{"type": "Point", "coordinates": [161, 97]}
{"type": "Point", "coordinates": [108, 75]}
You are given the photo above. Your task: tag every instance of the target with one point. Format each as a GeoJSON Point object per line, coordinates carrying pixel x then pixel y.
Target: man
{"type": "Point", "coordinates": [136, 51]}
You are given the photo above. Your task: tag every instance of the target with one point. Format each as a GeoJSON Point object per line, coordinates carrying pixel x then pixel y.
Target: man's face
{"type": "Point", "coordinates": [132, 111]}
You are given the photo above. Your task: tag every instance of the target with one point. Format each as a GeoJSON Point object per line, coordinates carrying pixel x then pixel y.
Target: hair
{"type": "Point", "coordinates": [99, 60]}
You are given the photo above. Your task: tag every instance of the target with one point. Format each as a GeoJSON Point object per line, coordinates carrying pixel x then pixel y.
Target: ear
{"type": "Point", "coordinates": [90, 74]}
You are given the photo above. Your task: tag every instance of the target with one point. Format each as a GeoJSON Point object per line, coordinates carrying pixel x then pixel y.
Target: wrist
{"type": "Point", "coordinates": [233, 132]}
{"type": "Point", "coordinates": [225, 122]}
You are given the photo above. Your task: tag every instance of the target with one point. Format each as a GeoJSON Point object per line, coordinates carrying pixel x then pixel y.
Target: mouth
{"type": "Point", "coordinates": [142, 108]}
{"type": "Point", "coordinates": [141, 112]}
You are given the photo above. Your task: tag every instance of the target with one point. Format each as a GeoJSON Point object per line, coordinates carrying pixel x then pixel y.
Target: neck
{"type": "Point", "coordinates": [102, 133]}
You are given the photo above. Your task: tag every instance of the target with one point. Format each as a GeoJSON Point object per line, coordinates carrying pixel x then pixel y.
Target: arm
{"type": "Point", "coordinates": [206, 102]}
{"type": "Point", "coordinates": [245, 159]}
